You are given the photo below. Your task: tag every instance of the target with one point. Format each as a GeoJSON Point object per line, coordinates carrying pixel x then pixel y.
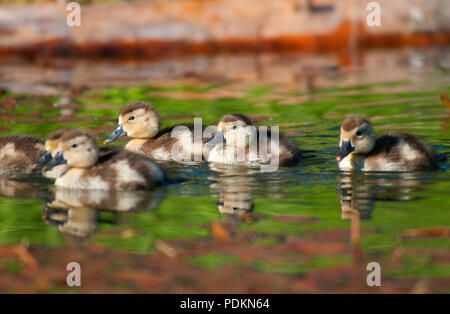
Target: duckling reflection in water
{"type": "Point", "coordinates": [76, 212]}
{"type": "Point", "coordinates": [116, 170]}
{"type": "Point", "coordinates": [112, 200]}
{"type": "Point", "coordinates": [18, 154]}
{"type": "Point", "coordinates": [233, 198]}
{"type": "Point", "coordinates": [79, 223]}
{"type": "Point", "coordinates": [359, 191]}
{"type": "Point", "coordinates": [360, 150]}
{"type": "Point", "coordinates": [238, 142]}
{"type": "Point", "coordinates": [355, 196]}
{"type": "Point", "coordinates": [235, 187]}
{"type": "Point", "coordinates": [23, 190]}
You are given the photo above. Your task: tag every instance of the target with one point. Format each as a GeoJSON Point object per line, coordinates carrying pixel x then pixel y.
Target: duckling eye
{"type": "Point", "coordinates": [73, 146]}
{"type": "Point", "coordinates": [234, 127]}
{"type": "Point", "coordinates": [131, 118]}
{"type": "Point", "coordinates": [358, 133]}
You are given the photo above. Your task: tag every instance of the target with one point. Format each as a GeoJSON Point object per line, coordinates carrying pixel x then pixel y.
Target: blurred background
{"type": "Point", "coordinates": [251, 40]}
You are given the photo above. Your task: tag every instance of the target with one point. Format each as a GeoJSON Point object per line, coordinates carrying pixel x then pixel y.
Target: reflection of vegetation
{"type": "Point", "coordinates": [20, 220]}
{"type": "Point", "coordinates": [419, 266]}
{"type": "Point", "coordinates": [169, 221]}
{"type": "Point", "coordinates": [303, 266]}
{"type": "Point", "coordinates": [308, 190]}
{"type": "Point", "coordinates": [13, 266]}
{"type": "Point", "coordinates": [217, 261]}
{"type": "Point", "coordinates": [214, 261]}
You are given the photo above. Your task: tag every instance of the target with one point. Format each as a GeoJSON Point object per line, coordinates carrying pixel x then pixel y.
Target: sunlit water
{"type": "Point", "coordinates": [400, 220]}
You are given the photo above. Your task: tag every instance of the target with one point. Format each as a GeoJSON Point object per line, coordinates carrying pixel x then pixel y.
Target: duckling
{"type": "Point", "coordinates": [51, 146]}
{"type": "Point", "coordinates": [116, 170]}
{"type": "Point", "coordinates": [237, 133]}
{"type": "Point", "coordinates": [18, 153]}
{"type": "Point", "coordinates": [141, 122]}
{"type": "Point", "coordinates": [360, 150]}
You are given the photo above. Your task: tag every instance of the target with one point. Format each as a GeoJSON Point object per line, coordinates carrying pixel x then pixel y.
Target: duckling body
{"type": "Point", "coordinates": [257, 147]}
{"type": "Point", "coordinates": [18, 153]}
{"type": "Point", "coordinates": [360, 150]}
{"type": "Point", "coordinates": [160, 146]}
{"type": "Point", "coordinates": [116, 169]}
{"type": "Point", "coordinates": [141, 122]}
{"type": "Point", "coordinates": [288, 153]}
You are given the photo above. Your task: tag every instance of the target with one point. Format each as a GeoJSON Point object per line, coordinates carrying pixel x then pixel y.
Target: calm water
{"type": "Point", "coordinates": [285, 226]}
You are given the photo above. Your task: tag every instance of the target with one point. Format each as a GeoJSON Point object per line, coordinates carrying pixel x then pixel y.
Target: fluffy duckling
{"type": "Point", "coordinates": [51, 145]}
{"type": "Point", "coordinates": [141, 122]}
{"type": "Point", "coordinates": [237, 133]}
{"type": "Point", "coordinates": [360, 150]}
{"type": "Point", "coordinates": [18, 153]}
{"type": "Point", "coordinates": [116, 170]}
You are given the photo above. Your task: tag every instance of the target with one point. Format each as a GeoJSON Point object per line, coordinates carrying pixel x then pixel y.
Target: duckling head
{"type": "Point", "coordinates": [51, 145]}
{"type": "Point", "coordinates": [137, 120]}
{"type": "Point", "coordinates": [356, 137]}
{"type": "Point", "coordinates": [235, 129]}
{"type": "Point", "coordinates": [77, 149]}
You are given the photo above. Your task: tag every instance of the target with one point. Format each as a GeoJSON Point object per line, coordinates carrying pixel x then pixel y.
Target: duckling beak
{"type": "Point", "coordinates": [57, 160]}
{"type": "Point", "coordinates": [345, 149]}
{"type": "Point", "coordinates": [218, 138]}
{"type": "Point", "coordinates": [43, 160]}
{"type": "Point", "coordinates": [118, 132]}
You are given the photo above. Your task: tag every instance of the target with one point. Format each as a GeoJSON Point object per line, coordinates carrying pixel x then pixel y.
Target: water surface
{"type": "Point", "coordinates": [309, 228]}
